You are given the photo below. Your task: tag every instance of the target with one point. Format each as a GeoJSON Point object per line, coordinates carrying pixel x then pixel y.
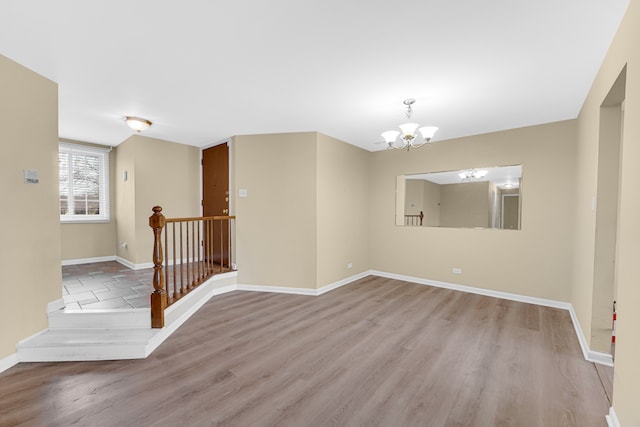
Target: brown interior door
{"type": "Point", "coordinates": [215, 200]}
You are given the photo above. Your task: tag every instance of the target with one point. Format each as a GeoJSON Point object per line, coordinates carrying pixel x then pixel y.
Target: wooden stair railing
{"type": "Point", "coordinates": [414, 219]}
{"type": "Point", "coordinates": [195, 249]}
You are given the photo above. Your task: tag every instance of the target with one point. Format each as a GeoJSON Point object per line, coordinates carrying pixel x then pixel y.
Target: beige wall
{"type": "Point", "coordinates": [160, 173]}
{"type": "Point", "coordinates": [414, 196]}
{"type": "Point", "coordinates": [125, 200]}
{"type": "Point", "coordinates": [89, 240]}
{"type": "Point", "coordinates": [342, 210]}
{"type": "Point", "coordinates": [306, 214]}
{"type": "Point", "coordinates": [276, 223]}
{"type": "Point", "coordinates": [431, 204]}
{"type": "Point", "coordinates": [533, 261]}
{"type": "Point", "coordinates": [464, 205]}
{"type": "Point", "coordinates": [30, 274]}
{"type": "Point", "coordinates": [625, 50]}
{"type": "Point", "coordinates": [606, 228]}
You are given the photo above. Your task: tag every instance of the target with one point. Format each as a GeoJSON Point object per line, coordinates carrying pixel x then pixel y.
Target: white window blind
{"type": "Point", "coordinates": [84, 183]}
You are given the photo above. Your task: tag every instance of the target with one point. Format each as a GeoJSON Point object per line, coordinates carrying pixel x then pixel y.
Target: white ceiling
{"type": "Point", "coordinates": [204, 70]}
{"type": "Point", "coordinates": [500, 176]}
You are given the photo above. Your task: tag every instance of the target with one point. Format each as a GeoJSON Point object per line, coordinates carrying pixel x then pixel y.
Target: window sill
{"type": "Point", "coordinates": [85, 221]}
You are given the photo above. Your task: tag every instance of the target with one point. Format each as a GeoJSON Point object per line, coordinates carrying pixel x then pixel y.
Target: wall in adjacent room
{"type": "Point", "coordinates": [90, 240]}
{"type": "Point", "coordinates": [464, 205]}
{"type": "Point", "coordinates": [159, 172]}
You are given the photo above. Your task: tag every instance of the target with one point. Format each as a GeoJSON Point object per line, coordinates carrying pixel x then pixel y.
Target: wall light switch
{"type": "Point", "coordinates": [124, 175]}
{"type": "Point", "coordinates": [31, 176]}
{"type": "Point", "coordinates": [242, 192]}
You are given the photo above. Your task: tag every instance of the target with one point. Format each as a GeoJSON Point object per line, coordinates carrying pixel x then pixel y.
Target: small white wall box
{"type": "Point", "coordinates": [31, 176]}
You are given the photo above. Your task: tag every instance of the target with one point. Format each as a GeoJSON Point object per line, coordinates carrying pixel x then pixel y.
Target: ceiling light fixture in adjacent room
{"type": "Point", "coordinates": [409, 137]}
{"type": "Point", "coordinates": [472, 175]}
{"type": "Point", "coordinates": [136, 123]}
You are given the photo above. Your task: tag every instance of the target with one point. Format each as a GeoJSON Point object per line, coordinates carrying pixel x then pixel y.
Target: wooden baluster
{"type": "Point", "coordinates": [199, 253]}
{"type": "Point", "coordinates": [230, 247]}
{"type": "Point", "coordinates": [182, 290]}
{"type": "Point", "coordinates": [158, 297]}
{"type": "Point", "coordinates": [167, 281]}
{"type": "Point", "coordinates": [221, 247]}
{"type": "Point", "coordinates": [212, 232]}
{"type": "Point", "coordinates": [193, 254]}
{"type": "Point", "coordinates": [207, 254]}
{"type": "Point", "coordinates": [187, 245]}
{"type": "Point", "coordinates": [176, 293]}
{"type": "Point", "coordinates": [421, 217]}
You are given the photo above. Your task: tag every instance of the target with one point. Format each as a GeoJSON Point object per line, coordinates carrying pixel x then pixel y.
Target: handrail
{"type": "Point", "coordinates": [414, 219]}
{"type": "Point", "coordinates": [196, 218]}
{"type": "Point", "coordinates": [195, 249]}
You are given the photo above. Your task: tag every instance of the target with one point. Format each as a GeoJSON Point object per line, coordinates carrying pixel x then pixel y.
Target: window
{"type": "Point", "coordinates": [84, 183]}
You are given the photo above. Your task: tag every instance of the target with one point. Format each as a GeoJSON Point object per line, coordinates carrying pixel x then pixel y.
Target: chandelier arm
{"type": "Point", "coordinates": [395, 147]}
{"type": "Point", "coordinates": [420, 144]}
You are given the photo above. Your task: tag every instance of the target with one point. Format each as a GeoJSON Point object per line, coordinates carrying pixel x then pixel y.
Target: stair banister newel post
{"type": "Point", "coordinates": [159, 296]}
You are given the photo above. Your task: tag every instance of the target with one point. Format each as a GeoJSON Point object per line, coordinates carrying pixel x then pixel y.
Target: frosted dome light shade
{"type": "Point", "coordinates": [427, 132]}
{"type": "Point", "coordinates": [479, 174]}
{"type": "Point", "coordinates": [408, 129]}
{"type": "Point", "coordinates": [136, 123]}
{"type": "Point", "coordinates": [390, 136]}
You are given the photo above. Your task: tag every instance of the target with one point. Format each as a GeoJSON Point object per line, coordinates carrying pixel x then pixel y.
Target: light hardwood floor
{"type": "Point", "coordinates": [377, 352]}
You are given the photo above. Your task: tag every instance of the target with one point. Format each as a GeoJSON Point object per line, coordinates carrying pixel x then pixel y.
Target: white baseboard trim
{"type": "Point", "coordinates": [303, 291]}
{"type": "Point", "coordinates": [55, 305]}
{"type": "Point", "coordinates": [473, 290]}
{"type": "Point", "coordinates": [600, 358]}
{"type": "Point", "coordinates": [277, 289]}
{"type": "Point", "coordinates": [343, 282]}
{"type": "Point", "coordinates": [78, 261]}
{"type": "Point", "coordinates": [588, 354]}
{"type": "Point", "coordinates": [612, 418]}
{"type": "Point", "coordinates": [8, 362]}
{"type": "Point", "coordinates": [133, 266]}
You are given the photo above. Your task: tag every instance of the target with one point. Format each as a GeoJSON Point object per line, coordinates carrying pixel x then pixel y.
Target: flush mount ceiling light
{"type": "Point", "coordinates": [472, 175]}
{"type": "Point", "coordinates": [408, 136]}
{"type": "Point", "coordinates": [136, 123]}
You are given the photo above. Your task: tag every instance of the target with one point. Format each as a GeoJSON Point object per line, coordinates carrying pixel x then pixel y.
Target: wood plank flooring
{"type": "Point", "coordinates": [377, 352]}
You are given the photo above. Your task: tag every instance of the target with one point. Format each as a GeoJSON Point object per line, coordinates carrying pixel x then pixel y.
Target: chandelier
{"type": "Point", "coordinates": [472, 175]}
{"type": "Point", "coordinates": [408, 136]}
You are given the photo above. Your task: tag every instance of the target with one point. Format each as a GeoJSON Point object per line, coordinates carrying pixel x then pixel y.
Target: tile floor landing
{"type": "Point", "coordinates": [105, 285]}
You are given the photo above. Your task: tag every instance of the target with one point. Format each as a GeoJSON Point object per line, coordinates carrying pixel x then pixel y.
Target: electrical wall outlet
{"type": "Point", "coordinates": [350, 265]}
{"type": "Point", "coordinates": [456, 270]}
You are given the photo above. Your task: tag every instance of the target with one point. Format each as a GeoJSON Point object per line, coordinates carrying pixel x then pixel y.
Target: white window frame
{"type": "Point", "coordinates": [103, 155]}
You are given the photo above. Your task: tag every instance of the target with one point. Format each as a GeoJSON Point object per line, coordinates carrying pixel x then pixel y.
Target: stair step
{"type": "Point", "coordinates": [79, 344]}
{"type": "Point", "coordinates": [113, 334]}
{"type": "Point", "coordinates": [124, 318]}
